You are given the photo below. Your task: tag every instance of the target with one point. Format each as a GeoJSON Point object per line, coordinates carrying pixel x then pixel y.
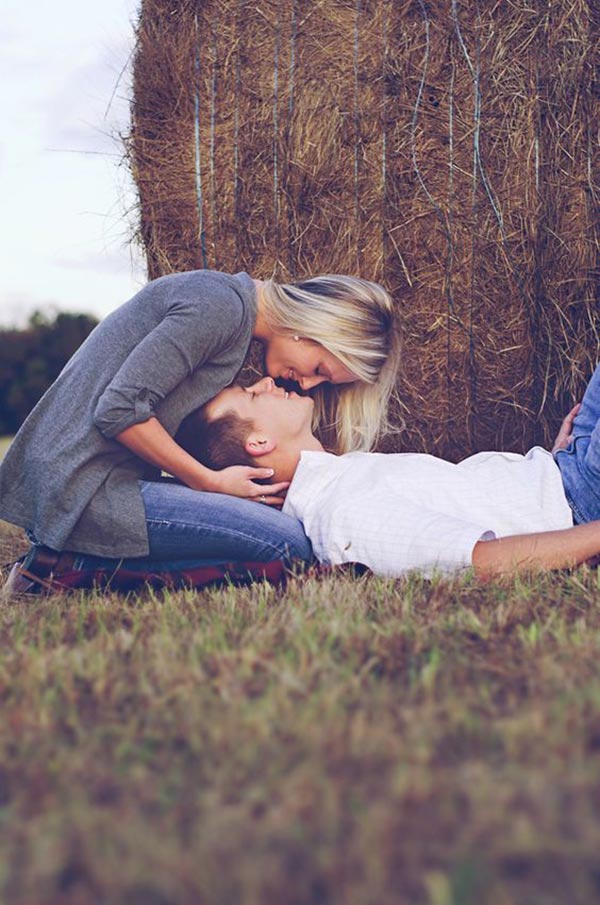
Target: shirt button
{"type": "Point", "coordinates": [143, 394]}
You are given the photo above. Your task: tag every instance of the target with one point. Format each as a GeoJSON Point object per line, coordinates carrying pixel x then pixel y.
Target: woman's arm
{"type": "Point", "coordinates": [151, 442]}
{"type": "Point", "coordinates": [530, 552]}
{"type": "Point", "coordinates": [187, 336]}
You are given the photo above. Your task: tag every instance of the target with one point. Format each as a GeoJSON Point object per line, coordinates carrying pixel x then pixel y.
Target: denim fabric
{"type": "Point", "coordinates": [579, 463]}
{"type": "Point", "coordinates": [187, 528]}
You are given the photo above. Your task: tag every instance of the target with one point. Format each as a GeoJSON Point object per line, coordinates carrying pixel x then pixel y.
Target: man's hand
{"type": "Point", "coordinates": [565, 434]}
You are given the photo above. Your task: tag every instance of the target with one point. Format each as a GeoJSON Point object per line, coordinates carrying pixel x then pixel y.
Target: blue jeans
{"type": "Point", "coordinates": [188, 528]}
{"type": "Point", "coordinates": [579, 463]}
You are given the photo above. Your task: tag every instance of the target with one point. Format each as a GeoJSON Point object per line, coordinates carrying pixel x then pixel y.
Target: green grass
{"type": "Point", "coordinates": [352, 741]}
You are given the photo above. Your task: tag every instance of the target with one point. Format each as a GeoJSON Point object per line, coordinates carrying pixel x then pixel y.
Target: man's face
{"type": "Point", "coordinates": [284, 416]}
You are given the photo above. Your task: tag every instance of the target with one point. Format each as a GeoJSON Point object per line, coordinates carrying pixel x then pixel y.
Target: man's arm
{"type": "Point", "coordinates": [530, 552]}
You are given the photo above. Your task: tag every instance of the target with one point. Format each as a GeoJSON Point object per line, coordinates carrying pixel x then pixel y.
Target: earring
{"type": "Point", "coordinates": [297, 338]}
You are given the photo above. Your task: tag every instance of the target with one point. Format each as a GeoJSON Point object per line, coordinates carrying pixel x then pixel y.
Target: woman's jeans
{"type": "Point", "coordinates": [579, 463]}
{"type": "Point", "coordinates": [188, 528]}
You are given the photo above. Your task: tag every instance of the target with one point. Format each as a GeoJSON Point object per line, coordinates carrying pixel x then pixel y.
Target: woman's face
{"type": "Point", "coordinates": [305, 362]}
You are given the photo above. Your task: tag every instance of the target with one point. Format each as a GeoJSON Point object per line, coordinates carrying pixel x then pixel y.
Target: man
{"type": "Point", "coordinates": [497, 512]}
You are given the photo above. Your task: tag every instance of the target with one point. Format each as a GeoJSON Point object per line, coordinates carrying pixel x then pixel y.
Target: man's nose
{"type": "Point", "coordinates": [264, 385]}
{"type": "Point", "coordinates": [307, 383]}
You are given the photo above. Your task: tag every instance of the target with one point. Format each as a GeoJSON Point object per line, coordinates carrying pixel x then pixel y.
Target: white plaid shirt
{"type": "Point", "coordinates": [404, 511]}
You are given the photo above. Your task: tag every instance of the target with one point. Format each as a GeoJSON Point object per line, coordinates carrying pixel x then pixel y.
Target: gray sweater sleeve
{"type": "Point", "coordinates": [191, 332]}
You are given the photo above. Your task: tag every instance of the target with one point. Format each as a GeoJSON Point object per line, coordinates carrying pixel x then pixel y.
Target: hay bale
{"type": "Point", "coordinates": [444, 148]}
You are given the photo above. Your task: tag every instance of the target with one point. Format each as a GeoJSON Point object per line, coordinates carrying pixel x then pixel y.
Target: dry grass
{"type": "Point", "coordinates": [446, 148]}
{"type": "Point", "coordinates": [347, 741]}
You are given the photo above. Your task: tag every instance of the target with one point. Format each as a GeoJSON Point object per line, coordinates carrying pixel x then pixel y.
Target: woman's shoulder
{"type": "Point", "coordinates": [200, 301]}
{"type": "Point", "coordinates": [213, 285]}
{"type": "Point", "coordinates": [203, 295]}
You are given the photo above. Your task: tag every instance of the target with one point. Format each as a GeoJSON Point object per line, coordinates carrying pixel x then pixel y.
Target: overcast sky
{"type": "Point", "coordinates": [64, 192]}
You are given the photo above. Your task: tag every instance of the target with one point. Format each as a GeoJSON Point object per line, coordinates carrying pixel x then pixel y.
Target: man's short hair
{"type": "Point", "coordinates": [217, 443]}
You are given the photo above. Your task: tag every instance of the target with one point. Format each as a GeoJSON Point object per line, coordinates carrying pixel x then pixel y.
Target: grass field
{"type": "Point", "coordinates": [352, 741]}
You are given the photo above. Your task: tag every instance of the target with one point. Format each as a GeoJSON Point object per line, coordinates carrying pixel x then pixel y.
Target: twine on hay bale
{"type": "Point", "coordinates": [445, 148]}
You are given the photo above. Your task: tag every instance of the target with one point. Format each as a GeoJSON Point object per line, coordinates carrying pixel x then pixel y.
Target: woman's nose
{"type": "Point", "coordinates": [308, 383]}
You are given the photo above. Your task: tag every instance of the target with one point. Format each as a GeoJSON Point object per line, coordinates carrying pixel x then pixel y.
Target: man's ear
{"type": "Point", "coordinates": [259, 445]}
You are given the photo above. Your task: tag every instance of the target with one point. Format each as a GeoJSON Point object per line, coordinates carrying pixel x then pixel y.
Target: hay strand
{"type": "Point", "coordinates": [447, 149]}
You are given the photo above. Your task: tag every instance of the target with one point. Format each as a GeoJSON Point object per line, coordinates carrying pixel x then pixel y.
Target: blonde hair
{"type": "Point", "coordinates": [353, 319]}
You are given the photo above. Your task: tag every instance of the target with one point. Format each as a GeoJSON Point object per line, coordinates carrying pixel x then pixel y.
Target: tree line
{"type": "Point", "coordinates": [32, 358]}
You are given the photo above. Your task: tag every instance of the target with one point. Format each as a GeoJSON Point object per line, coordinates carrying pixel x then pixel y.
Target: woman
{"type": "Point", "coordinates": [83, 472]}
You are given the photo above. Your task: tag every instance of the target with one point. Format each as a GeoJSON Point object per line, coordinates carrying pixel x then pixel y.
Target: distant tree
{"type": "Point", "coordinates": [31, 359]}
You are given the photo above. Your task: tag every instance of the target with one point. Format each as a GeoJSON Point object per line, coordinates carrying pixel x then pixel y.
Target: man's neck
{"type": "Point", "coordinates": [285, 461]}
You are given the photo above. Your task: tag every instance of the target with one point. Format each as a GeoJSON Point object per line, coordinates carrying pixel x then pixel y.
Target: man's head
{"type": "Point", "coordinates": [260, 425]}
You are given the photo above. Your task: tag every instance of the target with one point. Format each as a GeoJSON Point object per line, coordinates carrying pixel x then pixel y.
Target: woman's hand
{"type": "Point", "coordinates": [150, 441]}
{"type": "Point", "coordinates": [565, 434]}
{"type": "Point", "coordinates": [238, 480]}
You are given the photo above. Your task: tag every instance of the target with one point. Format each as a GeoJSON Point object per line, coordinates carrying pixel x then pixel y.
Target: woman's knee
{"type": "Point", "coordinates": [296, 544]}
{"type": "Point", "coordinates": [183, 522]}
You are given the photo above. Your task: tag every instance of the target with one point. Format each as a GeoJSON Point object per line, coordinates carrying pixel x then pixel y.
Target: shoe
{"type": "Point", "coordinates": [35, 573]}
{"type": "Point", "coordinates": [16, 584]}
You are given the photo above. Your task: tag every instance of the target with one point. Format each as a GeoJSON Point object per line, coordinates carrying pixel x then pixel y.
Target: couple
{"type": "Point", "coordinates": [83, 474]}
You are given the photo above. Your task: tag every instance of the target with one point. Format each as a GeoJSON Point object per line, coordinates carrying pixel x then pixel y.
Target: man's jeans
{"type": "Point", "coordinates": [579, 463]}
{"type": "Point", "coordinates": [188, 528]}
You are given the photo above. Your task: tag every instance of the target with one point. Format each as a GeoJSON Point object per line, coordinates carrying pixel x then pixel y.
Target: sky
{"type": "Point", "coordinates": [67, 205]}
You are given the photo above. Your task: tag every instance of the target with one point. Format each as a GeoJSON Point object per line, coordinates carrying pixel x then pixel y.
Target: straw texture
{"type": "Point", "coordinates": [446, 149]}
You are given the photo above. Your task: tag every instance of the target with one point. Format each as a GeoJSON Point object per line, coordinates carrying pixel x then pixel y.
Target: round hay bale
{"type": "Point", "coordinates": [447, 149]}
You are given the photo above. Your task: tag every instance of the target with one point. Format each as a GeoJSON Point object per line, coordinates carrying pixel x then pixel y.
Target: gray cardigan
{"type": "Point", "coordinates": [163, 353]}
